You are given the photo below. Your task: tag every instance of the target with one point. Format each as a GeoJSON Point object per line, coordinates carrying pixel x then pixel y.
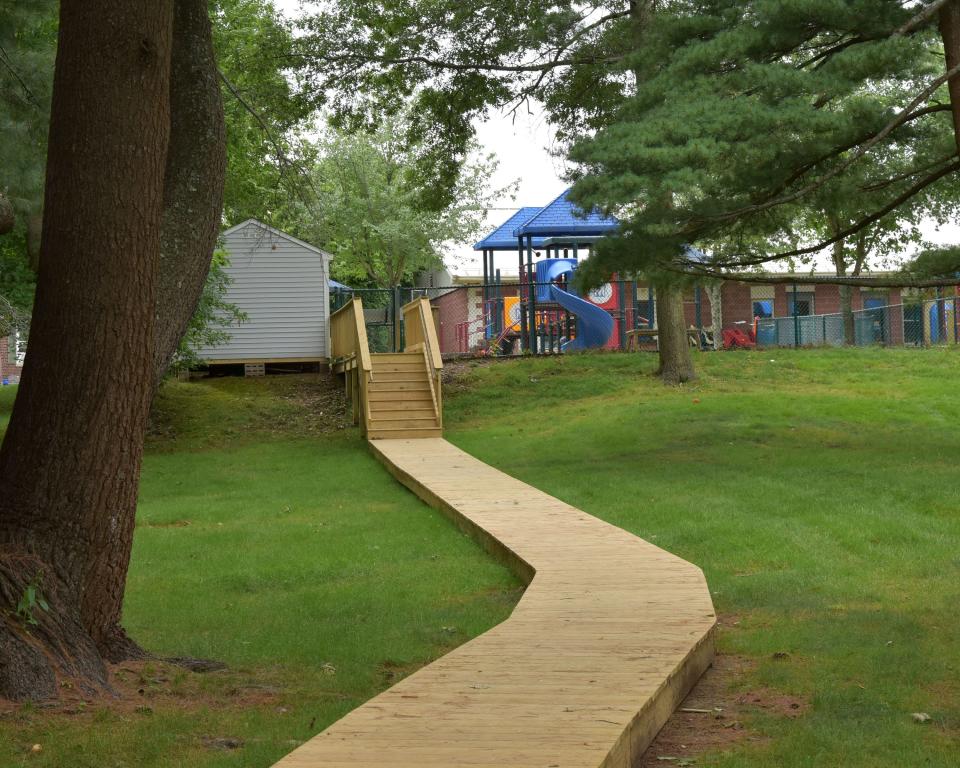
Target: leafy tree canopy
{"type": "Point", "coordinates": [453, 59]}
{"type": "Point", "coordinates": [754, 124]}
{"type": "Point", "coordinates": [266, 120]}
{"type": "Point", "coordinates": [378, 216]}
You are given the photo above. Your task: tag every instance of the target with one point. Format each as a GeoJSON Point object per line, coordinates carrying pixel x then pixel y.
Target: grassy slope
{"type": "Point", "coordinates": [819, 492]}
{"type": "Point", "coordinates": [290, 554]}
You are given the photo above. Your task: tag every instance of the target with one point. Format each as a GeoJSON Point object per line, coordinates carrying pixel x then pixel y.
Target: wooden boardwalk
{"type": "Point", "coordinates": [609, 636]}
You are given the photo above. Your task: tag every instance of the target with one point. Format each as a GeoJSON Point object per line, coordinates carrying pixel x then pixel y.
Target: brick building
{"type": "Point", "coordinates": [9, 366]}
{"type": "Point", "coordinates": [888, 316]}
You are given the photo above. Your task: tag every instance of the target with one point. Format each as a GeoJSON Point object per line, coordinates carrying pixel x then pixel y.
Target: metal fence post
{"type": "Point", "coordinates": [397, 329]}
{"type": "Point", "coordinates": [796, 319]}
{"type": "Point", "coordinates": [621, 298]}
{"type": "Point", "coordinates": [521, 304]}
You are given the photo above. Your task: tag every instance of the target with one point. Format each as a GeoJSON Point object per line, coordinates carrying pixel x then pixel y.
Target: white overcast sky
{"type": "Point", "coordinates": [522, 143]}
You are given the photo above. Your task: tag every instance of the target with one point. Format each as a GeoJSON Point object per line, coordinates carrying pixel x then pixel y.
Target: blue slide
{"type": "Point", "coordinates": [594, 324]}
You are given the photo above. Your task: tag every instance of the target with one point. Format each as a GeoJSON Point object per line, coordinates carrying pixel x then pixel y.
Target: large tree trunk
{"type": "Point", "coordinates": [676, 362]}
{"type": "Point", "coordinates": [950, 32]}
{"type": "Point", "coordinates": [70, 462]}
{"type": "Point", "coordinates": [7, 219]}
{"type": "Point", "coordinates": [192, 206]}
{"type": "Point", "coordinates": [846, 310]}
{"type": "Point", "coordinates": [196, 168]}
{"type": "Point", "coordinates": [715, 292]}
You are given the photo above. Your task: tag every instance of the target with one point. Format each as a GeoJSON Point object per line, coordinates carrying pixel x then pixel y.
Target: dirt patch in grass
{"type": "Point", "coordinates": [456, 371]}
{"type": "Point", "coordinates": [715, 715]}
{"type": "Point", "coordinates": [211, 412]}
{"type": "Point", "coordinates": [142, 687]}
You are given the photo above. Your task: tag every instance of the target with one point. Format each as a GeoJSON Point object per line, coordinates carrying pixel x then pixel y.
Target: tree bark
{"type": "Point", "coordinates": [195, 173]}
{"type": "Point", "coordinates": [70, 462]}
{"type": "Point", "coordinates": [950, 32]}
{"type": "Point", "coordinates": [192, 207]}
{"type": "Point", "coordinates": [846, 293]}
{"type": "Point", "coordinates": [715, 292]}
{"type": "Point", "coordinates": [7, 218]}
{"type": "Point", "coordinates": [676, 362]}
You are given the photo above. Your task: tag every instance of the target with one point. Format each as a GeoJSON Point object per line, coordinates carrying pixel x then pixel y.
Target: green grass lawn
{"type": "Point", "coordinates": [272, 540]}
{"type": "Point", "coordinates": [818, 490]}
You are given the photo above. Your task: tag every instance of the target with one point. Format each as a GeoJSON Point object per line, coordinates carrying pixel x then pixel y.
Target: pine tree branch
{"type": "Point", "coordinates": [854, 228]}
{"type": "Point", "coordinates": [900, 119]}
{"type": "Point", "coordinates": [837, 151]}
{"type": "Point", "coordinates": [921, 18]}
{"type": "Point", "coordinates": [878, 185]}
{"type": "Point", "coordinates": [786, 278]}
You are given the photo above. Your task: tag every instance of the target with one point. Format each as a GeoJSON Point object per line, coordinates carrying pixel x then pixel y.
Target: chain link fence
{"type": "Point", "coordinates": [503, 319]}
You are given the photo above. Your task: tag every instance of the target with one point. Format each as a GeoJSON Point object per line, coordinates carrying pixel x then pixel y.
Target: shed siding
{"type": "Point", "coordinates": [283, 289]}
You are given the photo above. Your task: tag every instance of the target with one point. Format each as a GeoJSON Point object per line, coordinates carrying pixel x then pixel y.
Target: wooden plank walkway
{"type": "Point", "coordinates": [609, 636]}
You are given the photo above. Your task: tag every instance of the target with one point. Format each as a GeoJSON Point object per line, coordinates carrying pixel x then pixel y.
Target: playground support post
{"type": "Point", "coordinates": [498, 298]}
{"type": "Point", "coordinates": [485, 307]}
{"type": "Point", "coordinates": [531, 297]}
{"type": "Point", "coordinates": [521, 304]}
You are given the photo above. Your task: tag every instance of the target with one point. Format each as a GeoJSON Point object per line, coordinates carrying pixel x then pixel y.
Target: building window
{"type": "Point", "coordinates": [761, 298]}
{"type": "Point", "coordinates": [800, 303]}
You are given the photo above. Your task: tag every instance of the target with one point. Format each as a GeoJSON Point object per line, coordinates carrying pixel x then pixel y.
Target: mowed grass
{"type": "Point", "coordinates": [818, 490]}
{"type": "Point", "coordinates": [271, 540]}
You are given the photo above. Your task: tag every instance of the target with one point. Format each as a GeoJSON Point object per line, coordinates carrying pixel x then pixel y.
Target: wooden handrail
{"type": "Point", "coordinates": [348, 341]}
{"type": "Point", "coordinates": [419, 328]}
{"type": "Point", "coordinates": [348, 334]}
{"type": "Point", "coordinates": [420, 332]}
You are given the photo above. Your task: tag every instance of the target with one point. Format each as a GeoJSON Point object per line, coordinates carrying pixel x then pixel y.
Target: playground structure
{"type": "Point", "coordinates": [609, 636]}
{"type": "Point", "coordinates": [779, 315]}
{"type": "Point", "coordinates": [548, 314]}
{"type": "Point", "coordinates": [541, 309]}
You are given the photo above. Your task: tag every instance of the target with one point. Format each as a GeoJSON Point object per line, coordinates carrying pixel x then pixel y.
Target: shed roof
{"type": "Point", "coordinates": [278, 233]}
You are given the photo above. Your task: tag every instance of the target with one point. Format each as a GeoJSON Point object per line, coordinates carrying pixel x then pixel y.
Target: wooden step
{"type": "Point", "coordinates": [413, 367]}
{"type": "Point", "coordinates": [408, 423]}
{"type": "Point", "coordinates": [403, 434]}
{"type": "Point", "coordinates": [411, 397]}
{"type": "Point", "coordinates": [377, 357]}
{"type": "Point", "coordinates": [400, 386]}
{"type": "Point", "coordinates": [388, 410]}
{"type": "Point", "coordinates": [418, 374]}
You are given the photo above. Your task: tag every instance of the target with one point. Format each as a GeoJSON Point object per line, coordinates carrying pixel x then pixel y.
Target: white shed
{"type": "Point", "coordinates": [282, 285]}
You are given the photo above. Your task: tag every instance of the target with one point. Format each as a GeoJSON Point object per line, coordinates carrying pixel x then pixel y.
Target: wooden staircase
{"type": "Point", "coordinates": [400, 398]}
{"type": "Point", "coordinates": [394, 395]}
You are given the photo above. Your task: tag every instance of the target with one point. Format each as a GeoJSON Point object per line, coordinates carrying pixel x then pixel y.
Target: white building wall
{"type": "Point", "coordinates": [282, 286]}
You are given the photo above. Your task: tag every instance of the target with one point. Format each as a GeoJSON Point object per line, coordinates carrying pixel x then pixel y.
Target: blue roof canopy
{"type": "Point", "coordinates": [563, 217]}
{"type": "Point", "coordinates": [503, 237]}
